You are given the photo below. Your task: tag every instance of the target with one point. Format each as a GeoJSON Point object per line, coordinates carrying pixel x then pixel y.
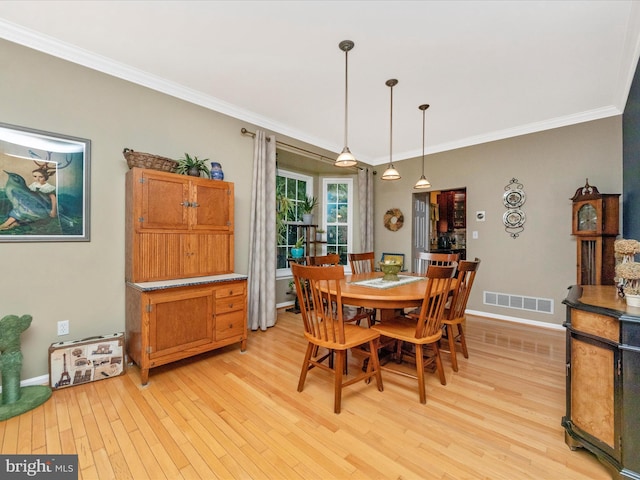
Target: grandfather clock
{"type": "Point", "coordinates": [595, 224]}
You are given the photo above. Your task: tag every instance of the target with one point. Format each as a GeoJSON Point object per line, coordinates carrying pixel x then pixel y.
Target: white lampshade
{"type": "Point", "coordinates": [346, 159]}
{"type": "Point", "coordinates": [391, 173]}
{"type": "Point", "coordinates": [422, 183]}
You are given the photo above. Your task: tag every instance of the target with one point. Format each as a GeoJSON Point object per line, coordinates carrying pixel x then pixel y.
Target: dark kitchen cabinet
{"type": "Point", "coordinates": [452, 210]}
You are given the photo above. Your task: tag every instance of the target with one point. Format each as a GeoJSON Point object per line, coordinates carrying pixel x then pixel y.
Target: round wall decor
{"type": "Point", "coordinates": [393, 219]}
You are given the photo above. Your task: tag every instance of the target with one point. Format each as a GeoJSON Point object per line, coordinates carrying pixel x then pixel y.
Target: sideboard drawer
{"type": "Point", "coordinates": [230, 325]}
{"type": "Point", "coordinates": [230, 304]}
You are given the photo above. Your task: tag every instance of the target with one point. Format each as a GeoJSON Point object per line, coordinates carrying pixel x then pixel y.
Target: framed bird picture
{"type": "Point", "coordinates": [44, 186]}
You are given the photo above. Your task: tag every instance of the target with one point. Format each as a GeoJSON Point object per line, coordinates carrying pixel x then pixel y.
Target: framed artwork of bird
{"type": "Point", "coordinates": [44, 186]}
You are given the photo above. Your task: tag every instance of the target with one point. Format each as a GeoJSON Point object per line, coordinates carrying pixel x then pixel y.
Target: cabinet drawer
{"type": "Point", "coordinates": [230, 324]}
{"type": "Point", "coordinates": [230, 304]}
{"type": "Point", "coordinates": [230, 290]}
{"type": "Point", "coordinates": [599, 325]}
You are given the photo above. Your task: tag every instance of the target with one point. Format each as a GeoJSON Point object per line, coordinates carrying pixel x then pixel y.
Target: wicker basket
{"type": "Point", "coordinates": [147, 160]}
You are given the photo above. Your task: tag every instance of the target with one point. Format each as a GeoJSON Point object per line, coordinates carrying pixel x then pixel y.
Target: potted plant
{"type": "Point", "coordinates": [320, 235]}
{"type": "Point", "coordinates": [283, 209]}
{"type": "Point", "coordinates": [306, 208]}
{"type": "Point", "coordinates": [192, 166]}
{"type": "Point", "coordinates": [297, 251]}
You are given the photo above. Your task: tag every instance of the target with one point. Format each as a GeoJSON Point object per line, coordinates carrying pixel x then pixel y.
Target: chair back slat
{"type": "Point", "coordinates": [323, 260]}
{"type": "Point", "coordinates": [426, 259]}
{"type": "Point", "coordinates": [362, 262]}
{"type": "Point", "coordinates": [467, 270]}
{"type": "Point", "coordinates": [321, 311]}
{"type": "Point", "coordinates": [439, 280]}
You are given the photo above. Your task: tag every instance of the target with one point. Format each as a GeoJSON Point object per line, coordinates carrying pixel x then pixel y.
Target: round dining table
{"type": "Point", "coordinates": [388, 299]}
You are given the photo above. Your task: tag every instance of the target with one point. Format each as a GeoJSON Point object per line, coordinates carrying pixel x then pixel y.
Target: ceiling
{"type": "Point", "coordinates": [489, 69]}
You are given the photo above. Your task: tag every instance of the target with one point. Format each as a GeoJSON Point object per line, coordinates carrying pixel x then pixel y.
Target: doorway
{"type": "Point", "coordinates": [439, 223]}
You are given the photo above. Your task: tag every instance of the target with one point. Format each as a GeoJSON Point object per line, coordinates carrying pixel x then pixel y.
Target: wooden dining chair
{"type": "Point", "coordinates": [323, 260]}
{"type": "Point", "coordinates": [319, 288]}
{"type": "Point", "coordinates": [362, 262]}
{"type": "Point", "coordinates": [426, 331]}
{"type": "Point", "coordinates": [360, 312]}
{"type": "Point", "coordinates": [426, 259]}
{"type": "Point", "coordinates": [454, 315]}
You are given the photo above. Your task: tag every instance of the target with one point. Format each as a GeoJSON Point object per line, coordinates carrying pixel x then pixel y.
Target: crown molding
{"type": "Point", "coordinates": [51, 46]}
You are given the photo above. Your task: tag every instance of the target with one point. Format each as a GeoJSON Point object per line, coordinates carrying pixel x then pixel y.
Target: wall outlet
{"type": "Point", "coordinates": [63, 327]}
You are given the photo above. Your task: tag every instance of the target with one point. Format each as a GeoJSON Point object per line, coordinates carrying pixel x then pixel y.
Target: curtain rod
{"type": "Point", "coordinates": [322, 158]}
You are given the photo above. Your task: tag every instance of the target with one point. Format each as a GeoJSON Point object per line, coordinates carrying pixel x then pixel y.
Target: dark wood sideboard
{"type": "Point", "coordinates": [603, 378]}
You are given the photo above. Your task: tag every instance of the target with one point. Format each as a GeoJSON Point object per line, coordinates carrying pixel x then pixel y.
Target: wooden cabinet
{"type": "Point", "coordinates": [178, 320]}
{"type": "Point", "coordinates": [603, 378]}
{"type": "Point", "coordinates": [182, 295]}
{"type": "Point", "coordinates": [452, 205]}
{"type": "Point", "coordinates": [177, 226]}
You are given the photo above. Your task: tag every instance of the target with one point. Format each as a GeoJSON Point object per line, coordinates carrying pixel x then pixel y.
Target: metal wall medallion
{"type": "Point", "coordinates": [513, 198]}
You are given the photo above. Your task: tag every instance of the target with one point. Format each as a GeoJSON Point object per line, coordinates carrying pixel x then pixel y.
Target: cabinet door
{"type": "Point", "coordinates": [179, 321]}
{"type": "Point", "coordinates": [594, 381]}
{"type": "Point", "coordinates": [165, 202]}
{"type": "Point", "coordinates": [459, 210]}
{"type": "Point", "coordinates": [212, 203]}
{"type": "Point", "coordinates": [205, 254]}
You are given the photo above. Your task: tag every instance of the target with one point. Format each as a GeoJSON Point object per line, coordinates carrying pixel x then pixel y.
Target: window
{"type": "Point", "coordinates": [338, 215]}
{"type": "Point", "coordinates": [294, 187]}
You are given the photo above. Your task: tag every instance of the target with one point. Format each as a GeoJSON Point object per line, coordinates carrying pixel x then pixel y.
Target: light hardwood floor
{"type": "Point", "coordinates": [232, 415]}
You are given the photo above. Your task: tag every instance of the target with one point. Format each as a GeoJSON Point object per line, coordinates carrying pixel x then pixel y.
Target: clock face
{"type": "Point", "coordinates": [587, 218]}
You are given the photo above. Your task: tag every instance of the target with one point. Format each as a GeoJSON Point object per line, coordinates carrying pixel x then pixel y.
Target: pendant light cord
{"type": "Point", "coordinates": [346, 95]}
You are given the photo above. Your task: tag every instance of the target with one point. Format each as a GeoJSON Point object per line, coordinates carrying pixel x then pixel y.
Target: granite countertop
{"type": "Point", "coordinates": [186, 282]}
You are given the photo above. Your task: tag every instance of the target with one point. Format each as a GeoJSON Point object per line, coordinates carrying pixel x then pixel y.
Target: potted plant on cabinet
{"type": "Point", "coordinates": [306, 208]}
{"type": "Point", "coordinates": [192, 166]}
{"type": "Point", "coordinates": [297, 251]}
{"type": "Point", "coordinates": [320, 235]}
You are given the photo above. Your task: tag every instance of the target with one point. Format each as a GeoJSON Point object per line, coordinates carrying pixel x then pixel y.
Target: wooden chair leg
{"type": "Point", "coordinates": [439, 366]}
{"type": "Point", "coordinates": [305, 366]}
{"type": "Point", "coordinates": [420, 374]}
{"type": "Point", "coordinates": [340, 357]}
{"type": "Point", "coordinates": [374, 362]}
{"type": "Point", "coordinates": [463, 342]}
{"type": "Point", "coordinates": [452, 346]}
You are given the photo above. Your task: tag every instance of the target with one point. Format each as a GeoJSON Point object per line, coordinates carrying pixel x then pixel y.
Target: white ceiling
{"type": "Point", "coordinates": [489, 69]}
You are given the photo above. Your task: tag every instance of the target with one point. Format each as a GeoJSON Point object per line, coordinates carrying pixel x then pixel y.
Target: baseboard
{"type": "Point", "coordinates": [285, 304]}
{"type": "Point", "coordinates": [41, 380]}
{"type": "Point", "coordinates": [523, 321]}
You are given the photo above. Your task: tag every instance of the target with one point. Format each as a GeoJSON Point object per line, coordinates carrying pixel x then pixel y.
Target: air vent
{"type": "Point", "coordinates": [533, 304]}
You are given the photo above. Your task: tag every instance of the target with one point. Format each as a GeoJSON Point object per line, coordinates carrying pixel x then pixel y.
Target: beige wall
{"type": "Point", "coordinates": [551, 165]}
{"type": "Point", "coordinates": [84, 282]}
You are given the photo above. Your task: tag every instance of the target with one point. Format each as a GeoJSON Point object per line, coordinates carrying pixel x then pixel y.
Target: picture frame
{"type": "Point", "coordinates": [44, 186]}
{"type": "Point", "coordinates": [393, 257]}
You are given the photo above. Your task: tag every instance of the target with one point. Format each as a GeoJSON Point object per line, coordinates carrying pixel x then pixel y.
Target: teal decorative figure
{"type": "Point", "coordinates": [16, 399]}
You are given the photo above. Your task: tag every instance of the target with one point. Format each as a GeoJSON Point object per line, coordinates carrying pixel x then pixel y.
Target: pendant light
{"type": "Point", "coordinates": [423, 182]}
{"type": "Point", "coordinates": [346, 158]}
{"type": "Point", "coordinates": [391, 173]}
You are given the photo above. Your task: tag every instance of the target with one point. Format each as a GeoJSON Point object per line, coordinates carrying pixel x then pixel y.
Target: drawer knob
{"type": "Point", "coordinates": [231, 305]}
